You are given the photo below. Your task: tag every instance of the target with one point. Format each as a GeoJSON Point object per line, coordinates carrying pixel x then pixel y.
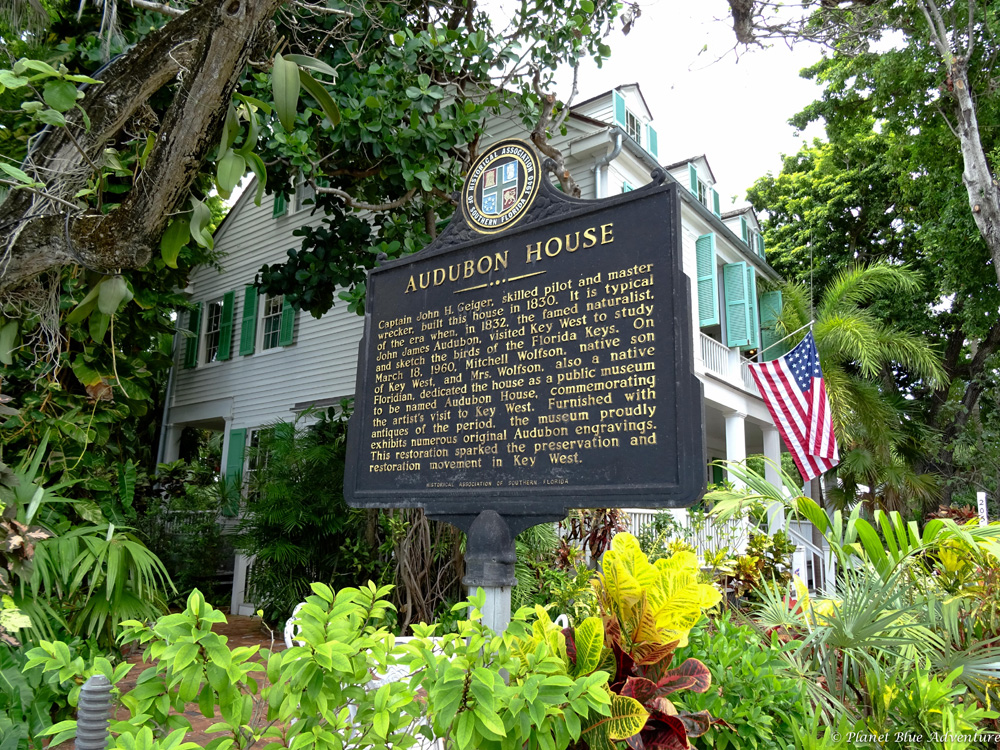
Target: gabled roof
{"type": "Point", "coordinates": [681, 163]}
{"type": "Point", "coordinates": [585, 102]}
{"type": "Point", "coordinates": [739, 211]}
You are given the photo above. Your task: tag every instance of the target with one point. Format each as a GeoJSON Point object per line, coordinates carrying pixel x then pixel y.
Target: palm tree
{"type": "Point", "coordinates": [861, 355]}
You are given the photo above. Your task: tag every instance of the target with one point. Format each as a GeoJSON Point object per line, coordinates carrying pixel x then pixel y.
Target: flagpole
{"type": "Point", "coordinates": [770, 346]}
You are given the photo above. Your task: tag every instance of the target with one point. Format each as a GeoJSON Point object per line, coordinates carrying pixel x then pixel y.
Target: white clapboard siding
{"type": "Point", "coordinates": [265, 385]}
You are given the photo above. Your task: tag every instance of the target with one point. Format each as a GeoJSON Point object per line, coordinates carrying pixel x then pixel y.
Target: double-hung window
{"type": "Point", "coordinates": [213, 329]}
{"type": "Point", "coordinates": [271, 322]}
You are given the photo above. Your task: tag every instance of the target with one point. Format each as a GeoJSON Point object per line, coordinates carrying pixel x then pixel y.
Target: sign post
{"type": "Point", "coordinates": [984, 518]}
{"type": "Point", "coordinates": [538, 356]}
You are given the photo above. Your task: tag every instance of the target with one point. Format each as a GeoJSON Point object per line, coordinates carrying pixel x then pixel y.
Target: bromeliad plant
{"type": "Point", "coordinates": [648, 610]}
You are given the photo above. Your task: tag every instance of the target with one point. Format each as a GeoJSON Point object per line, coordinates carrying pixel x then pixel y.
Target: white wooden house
{"type": "Point", "coordinates": [254, 360]}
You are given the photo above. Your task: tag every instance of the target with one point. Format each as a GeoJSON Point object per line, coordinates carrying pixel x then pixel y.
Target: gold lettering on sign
{"type": "Point", "coordinates": [542, 374]}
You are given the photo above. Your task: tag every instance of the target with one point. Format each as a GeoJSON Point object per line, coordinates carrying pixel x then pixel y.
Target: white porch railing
{"type": "Point", "coordinates": [813, 564]}
{"type": "Point", "coordinates": [722, 361]}
{"type": "Point", "coordinates": [748, 381]}
{"type": "Point", "coordinates": [715, 355]}
{"type": "Point", "coordinates": [705, 536]}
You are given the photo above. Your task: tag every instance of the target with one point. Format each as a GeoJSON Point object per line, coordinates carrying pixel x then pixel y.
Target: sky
{"type": "Point", "coordinates": [733, 110]}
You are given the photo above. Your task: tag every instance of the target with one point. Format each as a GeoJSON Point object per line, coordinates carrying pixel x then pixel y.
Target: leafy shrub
{"type": "Point", "coordinates": [87, 575]}
{"type": "Point", "coordinates": [31, 699]}
{"type": "Point", "coordinates": [758, 697]}
{"type": "Point", "coordinates": [648, 610]}
{"type": "Point", "coordinates": [316, 695]}
{"type": "Point", "coordinates": [180, 518]}
{"type": "Point", "coordinates": [297, 525]}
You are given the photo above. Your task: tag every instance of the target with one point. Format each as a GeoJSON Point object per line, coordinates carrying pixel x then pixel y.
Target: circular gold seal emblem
{"type": "Point", "coordinates": [501, 186]}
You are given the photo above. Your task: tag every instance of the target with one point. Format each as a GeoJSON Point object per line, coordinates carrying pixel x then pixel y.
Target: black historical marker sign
{"type": "Point", "coordinates": [536, 357]}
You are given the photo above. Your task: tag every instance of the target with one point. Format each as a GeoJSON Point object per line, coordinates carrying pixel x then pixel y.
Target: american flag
{"type": "Point", "coordinates": [793, 389]}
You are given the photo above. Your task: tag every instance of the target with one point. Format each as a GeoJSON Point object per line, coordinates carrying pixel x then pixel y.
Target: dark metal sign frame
{"type": "Point", "coordinates": [647, 226]}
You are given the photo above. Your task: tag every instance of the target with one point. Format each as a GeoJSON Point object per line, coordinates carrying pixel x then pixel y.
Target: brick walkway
{"type": "Point", "coordinates": [241, 631]}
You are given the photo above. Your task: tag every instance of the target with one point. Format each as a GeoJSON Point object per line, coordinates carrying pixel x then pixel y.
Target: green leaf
{"type": "Point", "coordinates": [230, 129]}
{"type": "Point", "coordinates": [285, 83]}
{"type": "Point", "coordinates": [79, 313]}
{"type": "Point", "coordinates": [589, 638]}
{"type": "Point", "coordinates": [37, 65]}
{"type": "Point", "coordinates": [175, 238]}
{"type": "Point", "coordinates": [60, 95]}
{"type": "Point", "coordinates": [52, 117]}
{"type": "Point", "coordinates": [98, 325]}
{"type": "Point", "coordinates": [8, 338]}
{"type": "Point", "coordinates": [201, 216]}
{"type": "Point", "coordinates": [110, 294]}
{"type": "Point", "coordinates": [16, 173]}
{"type": "Point", "coordinates": [321, 96]}
{"type": "Point", "coordinates": [126, 483]}
{"type": "Point", "coordinates": [490, 720]}
{"type": "Point", "coordinates": [260, 172]}
{"type": "Point", "coordinates": [587, 6]}
{"type": "Point", "coordinates": [11, 81]}
{"type": "Point", "coordinates": [312, 63]}
{"type": "Point", "coordinates": [232, 167]}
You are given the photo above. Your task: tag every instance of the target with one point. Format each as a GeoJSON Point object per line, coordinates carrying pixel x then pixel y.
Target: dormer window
{"type": "Point", "coordinates": [633, 126]}
{"type": "Point", "coordinates": [637, 129]}
{"type": "Point", "coordinates": [703, 191]}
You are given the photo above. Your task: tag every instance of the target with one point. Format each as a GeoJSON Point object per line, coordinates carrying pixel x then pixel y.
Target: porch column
{"type": "Point", "coordinates": [772, 452]}
{"type": "Point", "coordinates": [736, 440]}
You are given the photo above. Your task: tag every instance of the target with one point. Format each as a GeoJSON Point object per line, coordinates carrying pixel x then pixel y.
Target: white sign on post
{"type": "Point", "coordinates": [983, 515]}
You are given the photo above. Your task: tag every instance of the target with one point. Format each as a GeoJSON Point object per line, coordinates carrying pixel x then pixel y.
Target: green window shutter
{"type": "Point", "coordinates": [734, 277]}
{"type": "Point", "coordinates": [708, 280]}
{"type": "Point", "coordinates": [234, 456]}
{"type": "Point", "coordinates": [715, 203]}
{"type": "Point", "coordinates": [226, 327]}
{"type": "Point", "coordinates": [280, 205]}
{"type": "Point", "coordinates": [760, 245]}
{"type": "Point", "coordinates": [743, 229]}
{"type": "Point", "coordinates": [693, 174]}
{"type": "Point", "coordinates": [191, 345]}
{"type": "Point", "coordinates": [619, 101]}
{"type": "Point", "coordinates": [626, 187]}
{"type": "Point", "coordinates": [651, 140]}
{"type": "Point", "coordinates": [752, 308]}
{"type": "Point", "coordinates": [770, 312]}
{"type": "Point", "coordinates": [248, 328]}
{"type": "Point", "coordinates": [286, 334]}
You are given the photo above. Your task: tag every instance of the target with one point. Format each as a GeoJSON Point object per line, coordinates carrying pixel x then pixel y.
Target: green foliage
{"type": "Point", "coordinates": [310, 689]}
{"type": "Point", "coordinates": [759, 699]}
{"type": "Point", "coordinates": [86, 575]}
{"type": "Point", "coordinates": [32, 700]}
{"type": "Point", "coordinates": [296, 524]}
{"type": "Point", "coordinates": [180, 522]}
{"type": "Point", "coordinates": [426, 75]}
{"type": "Point", "coordinates": [887, 187]}
{"type": "Point", "coordinates": [903, 613]}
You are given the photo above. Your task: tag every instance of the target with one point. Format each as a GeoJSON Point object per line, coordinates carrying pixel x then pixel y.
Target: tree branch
{"type": "Point", "coordinates": [210, 44]}
{"type": "Point", "coordinates": [539, 136]}
{"type": "Point", "coordinates": [352, 203]}
{"type": "Point", "coordinates": [158, 8]}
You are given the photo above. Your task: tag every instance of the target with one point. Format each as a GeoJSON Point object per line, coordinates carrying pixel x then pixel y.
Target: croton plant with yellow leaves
{"type": "Point", "coordinates": [647, 611]}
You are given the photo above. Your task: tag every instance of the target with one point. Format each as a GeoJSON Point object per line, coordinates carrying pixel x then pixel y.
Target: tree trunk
{"type": "Point", "coordinates": [982, 186]}
{"type": "Point", "coordinates": [207, 50]}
